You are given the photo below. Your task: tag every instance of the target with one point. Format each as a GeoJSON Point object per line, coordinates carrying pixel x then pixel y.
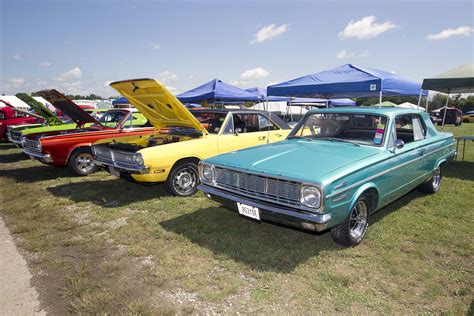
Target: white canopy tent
{"type": "Point", "coordinates": [15, 102]}
{"type": "Point", "coordinates": [409, 105]}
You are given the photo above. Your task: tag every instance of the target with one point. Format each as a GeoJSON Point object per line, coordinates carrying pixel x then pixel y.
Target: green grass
{"type": "Point", "coordinates": [102, 245]}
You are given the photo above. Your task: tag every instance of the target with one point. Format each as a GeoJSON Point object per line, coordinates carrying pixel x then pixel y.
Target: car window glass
{"type": "Point", "coordinates": [265, 123]}
{"type": "Point", "coordinates": [363, 129]}
{"type": "Point", "coordinates": [409, 128]}
{"type": "Point", "coordinates": [246, 123]}
{"type": "Point", "coordinates": [112, 119]}
{"type": "Point", "coordinates": [229, 128]}
{"type": "Point", "coordinates": [211, 121]}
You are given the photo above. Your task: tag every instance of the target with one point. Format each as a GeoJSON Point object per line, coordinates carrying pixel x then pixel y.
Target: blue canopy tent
{"type": "Point", "coordinates": [216, 91]}
{"type": "Point", "coordinates": [120, 101]}
{"type": "Point", "coordinates": [261, 94]}
{"type": "Point", "coordinates": [347, 81]}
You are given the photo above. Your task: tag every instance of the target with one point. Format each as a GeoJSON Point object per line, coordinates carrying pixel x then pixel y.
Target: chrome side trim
{"type": "Point", "coordinates": [352, 186]}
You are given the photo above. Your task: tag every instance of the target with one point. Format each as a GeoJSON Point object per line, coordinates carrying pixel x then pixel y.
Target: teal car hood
{"type": "Point", "coordinates": [298, 159]}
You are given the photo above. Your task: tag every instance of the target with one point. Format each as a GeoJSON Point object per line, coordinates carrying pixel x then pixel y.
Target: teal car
{"type": "Point", "coordinates": [335, 169]}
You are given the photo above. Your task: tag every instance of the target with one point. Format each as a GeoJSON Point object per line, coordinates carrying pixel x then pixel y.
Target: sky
{"type": "Point", "coordinates": [79, 47]}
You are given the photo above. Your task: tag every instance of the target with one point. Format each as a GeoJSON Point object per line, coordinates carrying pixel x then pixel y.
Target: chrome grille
{"type": "Point", "coordinates": [32, 145]}
{"type": "Point", "coordinates": [260, 187]}
{"type": "Point", "coordinates": [15, 136]}
{"type": "Point", "coordinates": [121, 159]}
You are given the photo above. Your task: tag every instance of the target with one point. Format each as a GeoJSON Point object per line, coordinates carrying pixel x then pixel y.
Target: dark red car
{"type": "Point", "coordinates": [72, 147]}
{"type": "Point", "coordinates": [9, 115]}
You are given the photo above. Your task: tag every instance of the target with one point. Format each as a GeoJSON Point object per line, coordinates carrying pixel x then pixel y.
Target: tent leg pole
{"type": "Point", "coordinates": [380, 99]}
{"type": "Point", "coordinates": [426, 108]}
{"type": "Point", "coordinates": [445, 110]}
{"type": "Point", "coordinates": [419, 98]}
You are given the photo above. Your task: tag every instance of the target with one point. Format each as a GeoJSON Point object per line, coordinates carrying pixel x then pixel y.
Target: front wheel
{"type": "Point", "coordinates": [433, 185]}
{"type": "Point", "coordinates": [81, 162]}
{"type": "Point", "coordinates": [351, 232]}
{"type": "Point", "coordinates": [183, 179]}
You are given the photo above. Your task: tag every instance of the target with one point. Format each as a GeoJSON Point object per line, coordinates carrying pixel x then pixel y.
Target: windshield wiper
{"type": "Point", "coordinates": [334, 139]}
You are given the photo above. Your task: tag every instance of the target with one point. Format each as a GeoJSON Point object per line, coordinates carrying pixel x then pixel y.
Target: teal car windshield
{"type": "Point", "coordinates": [359, 129]}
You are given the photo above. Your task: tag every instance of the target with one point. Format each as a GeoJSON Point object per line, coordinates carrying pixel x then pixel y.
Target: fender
{"type": "Point", "coordinates": [361, 190]}
{"type": "Point", "coordinates": [83, 145]}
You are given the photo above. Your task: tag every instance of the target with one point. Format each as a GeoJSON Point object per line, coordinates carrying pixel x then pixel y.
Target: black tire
{"type": "Point", "coordinates": [433, 185]}
{"type": "Point", "coordinates": [80, 162]}
{"type": "Point", "coordinates": [352, 231]}
{"type": "Point", "coordinates": [183, 179]}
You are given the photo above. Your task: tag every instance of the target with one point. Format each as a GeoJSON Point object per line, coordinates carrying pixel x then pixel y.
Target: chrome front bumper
{"type": "Point", "coordinates": [38, 156]}
{"type": "Point", "coordinates": [128, 169]}
{"type": "Point", "coordinates": [271, 212]}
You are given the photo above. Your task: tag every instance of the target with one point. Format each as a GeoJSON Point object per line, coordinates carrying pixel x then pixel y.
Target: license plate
{"type": "Point", "coordinates": [249, 211]}
{"type": "Point", "coordinates": [114, 171]}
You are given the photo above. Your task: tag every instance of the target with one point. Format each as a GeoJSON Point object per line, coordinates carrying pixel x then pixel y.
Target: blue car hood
{"type": "Point", "coordinates": [297, 159]}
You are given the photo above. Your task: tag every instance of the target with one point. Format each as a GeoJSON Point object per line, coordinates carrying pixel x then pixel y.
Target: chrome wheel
{"type": "Point", "coordinates": [436, 179]}
{"type": "Point", "coordinates": [84, 163]}
{"type": "Point", "coordinates": [185, 180]}
{"type": "Point", "coordinates": [358, 219]}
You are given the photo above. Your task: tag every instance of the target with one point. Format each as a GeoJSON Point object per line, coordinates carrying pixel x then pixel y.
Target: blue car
{"type": "Point", "coordinates": [334, 170]}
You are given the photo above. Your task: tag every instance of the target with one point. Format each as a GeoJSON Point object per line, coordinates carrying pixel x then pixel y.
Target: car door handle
{"type": "Point", "coordinates": [262, 137]}
{"type": "Point", "coordinates": [421, 151]}
{"type": "Point", "coordinates": [278, 135]}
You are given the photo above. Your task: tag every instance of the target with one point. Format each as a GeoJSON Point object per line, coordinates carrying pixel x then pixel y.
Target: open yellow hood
{"type": "Point", "coordinates": [159, 105]}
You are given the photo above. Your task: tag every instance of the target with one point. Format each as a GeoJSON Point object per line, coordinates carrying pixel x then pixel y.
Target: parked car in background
{"type": "Point", "coordinates": [48, 119]}
{"type": "Point", "coordinates": [453, 116]}
{"type": "Point", "coordinates": [336, 168]}
{"type": "Point", "coordinates": [9, 116]}
{"type": "Point", "coordinates": [181, 138]}
{"type": "Point", "coordinates": [468, 118]}
{"type": "Point", "coordinates": [72, 147]}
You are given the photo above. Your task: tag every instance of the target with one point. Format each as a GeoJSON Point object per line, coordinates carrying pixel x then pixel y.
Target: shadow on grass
{"type": "Point", "coordinates": [108, 193]}
{"type": "Point", "coordinates": [36, 173]}
{"type": "Point", "coordinates": [261, 246]}
{"type": "Point", "coordinates": [463, 170]}
{"type": "Point", "coordinates": [15, 157]}
{"type": "Point", "coordinates": [395, 205]}
{"type": "Point", "coordinates": [6, 145]}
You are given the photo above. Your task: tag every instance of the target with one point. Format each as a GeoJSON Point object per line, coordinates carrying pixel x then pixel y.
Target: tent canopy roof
{"type": "Point", "coordinates": [457, 80]}
{"type": "Point", "coordinates": [331, 102]}
{"type": "Point", "coordinates": [216, 90]}
{"type": "Point", "coordinates": [120, 101]}
{"type": "Point", "coordinates": [347, 81]}
{"type": "Point", "coordinates": [261, 94]}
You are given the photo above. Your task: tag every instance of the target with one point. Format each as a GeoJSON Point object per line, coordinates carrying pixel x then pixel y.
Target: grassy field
{"type": "Point", "coordinates": [103, 245]}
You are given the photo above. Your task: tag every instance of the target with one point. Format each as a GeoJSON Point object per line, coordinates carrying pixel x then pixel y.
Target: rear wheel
{"type": "Point", "coordinates": [351, 232]}
{"type": "Point", "coordinates": [183, 179]}
{"type": "Point", "coordinates": [433, 185]}
{"type": "Point", "coordinates": [81, 162]}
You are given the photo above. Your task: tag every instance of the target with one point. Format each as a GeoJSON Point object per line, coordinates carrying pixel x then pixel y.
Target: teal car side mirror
{"type": "Point", "coordinates": [399, 144]}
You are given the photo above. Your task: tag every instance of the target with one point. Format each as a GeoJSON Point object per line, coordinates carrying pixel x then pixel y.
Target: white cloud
{"type": "Point", "coordinates": [254, 73]}
{"type": "Point", "coordinates": [72, 75]}
{"type": "Point", "coordinates": [45, 63]}
{"type": "Point", "coordinates": [345, 54]}
{"type": "Point", "coordinates": [155, 45]}
{"type": "Point", "coordinates": [268, 32]}
{"type": "Point", "coordinates": [365, 28]}
{"type": "Point", "coordinates": [166, 76]}
{"type": "Point", "coordinates": [16, 82]}
{"type": "Point", "coordinates": [16, 56]}
{"type": "Point", "coordinates": [463, 31]}
{"type": "Point", "coordinates": [249, 76]}
{"type": "Point", "coordinates": [107, 83]}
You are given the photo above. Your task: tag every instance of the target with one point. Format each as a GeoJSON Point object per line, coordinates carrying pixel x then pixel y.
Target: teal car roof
{"type": "Point", "coordinates": [388, 111]}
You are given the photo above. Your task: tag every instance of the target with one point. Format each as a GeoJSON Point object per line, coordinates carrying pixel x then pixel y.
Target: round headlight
{"type": "Point", "coordinates": [310, 196]}
{"type": "Point", "coordinates": [138, 159]}
{"type": "Point", "coordinates": [207, 173]}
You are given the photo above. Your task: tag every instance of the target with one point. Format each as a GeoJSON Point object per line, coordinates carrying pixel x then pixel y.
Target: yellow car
{"type": "Point", "coordinates": [181, 138]}
{"type": "Point", "coordinates": [468, 118]}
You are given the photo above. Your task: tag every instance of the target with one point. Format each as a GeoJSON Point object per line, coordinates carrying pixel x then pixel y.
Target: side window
{"type": "Point", "coordinates": [229, 128]}
{"type": "Point", "coordinates": [246, 123]}
{"type": "Point", "coordinates": [409, 128]}
{"type": "Point", "coordinates": [265, 123]}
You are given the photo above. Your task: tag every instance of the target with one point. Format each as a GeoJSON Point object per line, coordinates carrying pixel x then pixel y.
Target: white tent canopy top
{"type": "Point", "coordinates": [409, 105]}
{"type": "Point", "coordinates": [280, 107]}
{"type": "Point", "coordinates": [15, 102]}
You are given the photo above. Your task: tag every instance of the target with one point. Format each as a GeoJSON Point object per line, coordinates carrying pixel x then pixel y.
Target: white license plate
{"type": "Point", "coordinates": [114, 171]}
{"type": "Point", "coordinates": [249, 211]}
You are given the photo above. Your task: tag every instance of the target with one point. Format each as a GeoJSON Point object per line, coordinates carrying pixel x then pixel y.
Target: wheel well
{"type": "Point", "coordinates": [373, 197]}
{"type": "Point", "coordinates": [76, 149]}
{"type": "Point", "coordinates": [187, 159]}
